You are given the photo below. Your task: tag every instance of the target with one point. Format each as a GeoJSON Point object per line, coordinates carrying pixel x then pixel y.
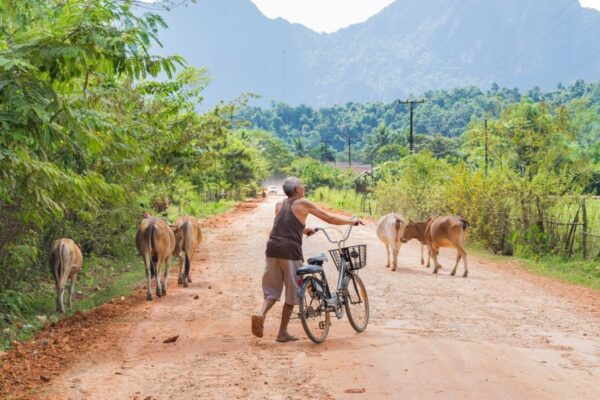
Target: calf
{"type": "Point", "coordinates": [390, 230]}
{"type": "Point", "coordinates": [155, 242]}
{"type": "Point", "coordinates": [416, 230]}
{"type": "Point", "coordinates": [65, 263]}
{"type": "Point", "coordinates": [187, 238]}
{"type": "Point", "coordinates": [448, 231]}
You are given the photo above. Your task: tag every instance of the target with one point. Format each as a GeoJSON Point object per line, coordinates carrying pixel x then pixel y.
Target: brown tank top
{"type": "Point", "coordinates": [285, 240]}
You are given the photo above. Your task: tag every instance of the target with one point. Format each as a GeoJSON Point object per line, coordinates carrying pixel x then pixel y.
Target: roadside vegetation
{"type": "Point", "coordinates": [91, 138]}
{"type": "Point", "coordinates": [526, 201]}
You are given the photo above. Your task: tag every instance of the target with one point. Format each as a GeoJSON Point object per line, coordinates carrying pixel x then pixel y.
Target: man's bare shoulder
{"type": "Point", "coordinates": [304, 202]}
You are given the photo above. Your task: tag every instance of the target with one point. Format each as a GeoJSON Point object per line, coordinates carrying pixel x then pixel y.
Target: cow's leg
{"type": "Point", "coordinates": [422, 260]}
{"type": "Point", "coordinates": [387, 251]}
{"type": "Point", "coordinates": [428, 256]}
{"type": "Point", "coordinates": [464, 258]}
{"type": "Point", "coordinates": [148, 265]}
{"type": "Point", "coordinates": [72, 289]}
{"type": "Point", "coordinates": [457, 261]}
{"type": "Point", "coordinates": [61, 299]}
{"type": "Point", "coordinates": [166, 275]}
{"type": "Point", "coordinates": [159, 288]}
{"type": "Point", "coordinates": [58, 298]}
{"type": "Point", "coordinates": [180, 276]}
{"type": "Point", "coordinates": [437, 266]}
{"type": "Point", "coordinates": [395, 250]}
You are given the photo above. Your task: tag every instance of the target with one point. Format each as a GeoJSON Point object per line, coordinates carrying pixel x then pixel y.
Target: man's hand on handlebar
{"type": "Point", "coordinates": [309, 231]}
{"type": "Point", "coordinates": [356, 221]}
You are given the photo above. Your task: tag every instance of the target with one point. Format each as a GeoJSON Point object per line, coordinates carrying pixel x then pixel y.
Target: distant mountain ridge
{"type": "Point", "coordinates": [408, 48]}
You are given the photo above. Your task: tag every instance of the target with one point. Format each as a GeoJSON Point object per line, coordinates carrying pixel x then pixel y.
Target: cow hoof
{"type": "Point", "coordinates": [185, 284]}
{"type": "Point", "coordinates": [148, 296]}
{"type": "Point", "coordinates": [452, 273]}
{"type": "Point", "coordinates": [180, 280]}
{"type": "Point", "coordinates": [387, 266]}
{"type": "Point", "coordinates": [465, 274]}
{"type": "Point", "coordinates": [189, 280]}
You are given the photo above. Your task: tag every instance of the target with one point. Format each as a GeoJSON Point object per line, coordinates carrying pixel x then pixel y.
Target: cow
{"type": "Point", "coordinates": [187, 238]}
{"type": "Point", "coordinates": [65, 263]}
{"type": "Point", "coordinates": [416, 230]}
{"type": "Point", "coordinates": [446, 231]}
{"type": "Point", "coordinates": [390, 229]}
{"type": "Point", "coordinates": [155, 242]}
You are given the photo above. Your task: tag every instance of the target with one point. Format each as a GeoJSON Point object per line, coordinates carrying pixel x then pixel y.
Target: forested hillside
{"type": "Point", "coordinates": [379, 131]}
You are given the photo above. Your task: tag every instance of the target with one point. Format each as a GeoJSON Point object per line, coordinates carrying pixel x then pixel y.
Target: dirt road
{"type": "Point", "coordinates": [499, 334]}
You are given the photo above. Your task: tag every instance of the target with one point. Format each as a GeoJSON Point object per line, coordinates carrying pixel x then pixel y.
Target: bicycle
{"type": "Point", "coordinates": [315, 298]}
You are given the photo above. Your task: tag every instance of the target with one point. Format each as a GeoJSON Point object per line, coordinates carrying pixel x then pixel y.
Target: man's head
{"type": "Point", "coordinates": [293, 187]}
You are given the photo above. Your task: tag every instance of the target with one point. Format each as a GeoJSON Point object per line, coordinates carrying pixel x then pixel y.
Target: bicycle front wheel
{"type": "Point", "coordinates": [314, 314]}
{"type": "Point", "coordinates": [356, 302]}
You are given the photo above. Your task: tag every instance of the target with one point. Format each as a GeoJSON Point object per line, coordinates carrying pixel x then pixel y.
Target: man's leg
{"type": "Point", "coordinates": [286, 314]}
{"type": "Point", "coordinates": [291, 298]}
{"type": "Point", "coordinates": [272, 284]}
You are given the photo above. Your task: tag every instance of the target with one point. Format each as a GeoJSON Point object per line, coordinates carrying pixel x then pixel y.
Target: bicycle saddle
{"type": "Point", "coordinates": [317, 260]}
{"type": "Point", "coordinates": [309, 269]}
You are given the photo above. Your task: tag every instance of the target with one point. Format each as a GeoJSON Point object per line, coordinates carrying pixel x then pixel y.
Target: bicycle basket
{"type": "Point", "coordinates": [355, 256]}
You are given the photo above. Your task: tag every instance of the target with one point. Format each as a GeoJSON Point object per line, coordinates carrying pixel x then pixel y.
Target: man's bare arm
{"type": "Point", "coordinates": [310, 208]}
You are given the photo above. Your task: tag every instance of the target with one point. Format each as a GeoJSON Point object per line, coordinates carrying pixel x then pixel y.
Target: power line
{"type": "Point", "coordinates": [528, 47]}
{"type": "Point", "coordinates": [548, 55]}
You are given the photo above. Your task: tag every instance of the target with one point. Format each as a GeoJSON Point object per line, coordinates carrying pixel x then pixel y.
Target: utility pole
{"type": "Point", "coordinates": [485, 130]}
{"type": "Point", "coordinates": [349, 152]}
{"type": "Point", "coordinates": [325, 156]}
{"type": "Point", "coordinates": [411, 103]}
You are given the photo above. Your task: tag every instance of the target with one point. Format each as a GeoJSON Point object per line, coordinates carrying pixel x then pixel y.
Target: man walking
{"type": "Point", "coordinates": [284, 254]}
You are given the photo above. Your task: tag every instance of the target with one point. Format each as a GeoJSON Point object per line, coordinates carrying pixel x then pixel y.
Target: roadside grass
{"type": "Point", "coordinates": [573, 270]}
{"type": "Point", "coordinates": [345, 200]}
{"type": "Point", "coordinates": [200, 209]}
{"type": "Point", "coordinates": [101, 280]}
{"type": "Point", "coordinates": [577, 271]}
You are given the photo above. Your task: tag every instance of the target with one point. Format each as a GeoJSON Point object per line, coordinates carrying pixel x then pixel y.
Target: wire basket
{"type": "Point", "coordinates": [355, 256]}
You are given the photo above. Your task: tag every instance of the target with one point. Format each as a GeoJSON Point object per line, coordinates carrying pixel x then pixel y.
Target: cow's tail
{"type": "Point", "coordinates": [64, 258]}
{"type": "Point", "coordinates": [187, 265]}
{"type": "Point", "coordinates": [398, 225]}
{"type": "Point", "coordinates": [188, 233]}
{"type": "Point", "coordinates": [151, 247]}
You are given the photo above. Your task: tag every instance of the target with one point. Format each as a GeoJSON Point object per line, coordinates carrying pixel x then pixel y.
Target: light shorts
{"type": "Point", "coordinates": [280, 272]}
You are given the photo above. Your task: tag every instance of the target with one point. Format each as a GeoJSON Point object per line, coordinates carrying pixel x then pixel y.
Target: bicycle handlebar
{"type": "Point", "coordinates": [338, 242]}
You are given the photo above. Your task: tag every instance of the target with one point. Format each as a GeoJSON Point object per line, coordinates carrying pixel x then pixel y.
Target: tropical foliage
{"type": "Point", "coordinates": [90, 138]}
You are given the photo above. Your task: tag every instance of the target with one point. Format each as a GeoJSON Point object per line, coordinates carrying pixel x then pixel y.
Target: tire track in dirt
{"type": "Point", "coordinates": [500, 333]}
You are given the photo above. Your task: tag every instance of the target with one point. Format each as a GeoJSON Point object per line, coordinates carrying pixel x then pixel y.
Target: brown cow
{"type": "Point", "coordinates": [416, 230]}
{"type": "Point", "coordinates": [65, 263]}
{"type": "Point", "coordinates": [448, 231]}
{"type": "Point", "coordinates": [155, 242]}
{"type": "Point", "coordinates": [187, 238]}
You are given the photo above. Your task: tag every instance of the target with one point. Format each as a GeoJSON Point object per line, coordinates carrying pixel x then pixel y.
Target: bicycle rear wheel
{"type": "Point", "coordinates": [356, 302]}
{"type": "Point", "coordinates": [314, 314]}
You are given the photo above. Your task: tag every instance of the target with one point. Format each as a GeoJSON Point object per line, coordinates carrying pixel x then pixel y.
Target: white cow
{"type": "Point", "coordinates": [390, 229]}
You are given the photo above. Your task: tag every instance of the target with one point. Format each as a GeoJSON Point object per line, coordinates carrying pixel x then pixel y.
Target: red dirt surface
{"type": "Point", "coordinates": [502, 333]}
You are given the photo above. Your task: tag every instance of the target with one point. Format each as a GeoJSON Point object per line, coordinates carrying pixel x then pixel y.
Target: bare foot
{"type": "Point", "coordinates": [287, 338]}
{"type": "Point", "coordinates": [257, 325]}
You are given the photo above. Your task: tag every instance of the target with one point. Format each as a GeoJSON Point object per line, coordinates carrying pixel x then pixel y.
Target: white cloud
{"type": "Point", "coordinates": [331, 15]}
{"type": "Point", "coordinates": [590, 3]}
{"type": "Point", "coordinates": [322, 15]}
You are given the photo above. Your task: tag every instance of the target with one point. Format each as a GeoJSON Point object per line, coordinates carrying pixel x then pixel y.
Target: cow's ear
{"type": "Point", "coordinates": [410, 221]}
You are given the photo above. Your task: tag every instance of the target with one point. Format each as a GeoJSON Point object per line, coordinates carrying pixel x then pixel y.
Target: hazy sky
{"type": "Point", "coordinates": [331, 15]}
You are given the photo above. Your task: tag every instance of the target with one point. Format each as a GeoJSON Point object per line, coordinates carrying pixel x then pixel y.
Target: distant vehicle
{"type": "Point", "coordinates": [273, 189]}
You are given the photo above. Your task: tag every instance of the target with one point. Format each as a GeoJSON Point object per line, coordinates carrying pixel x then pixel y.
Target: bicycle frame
{"type": "Point", "coordinates": [333, 298]}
